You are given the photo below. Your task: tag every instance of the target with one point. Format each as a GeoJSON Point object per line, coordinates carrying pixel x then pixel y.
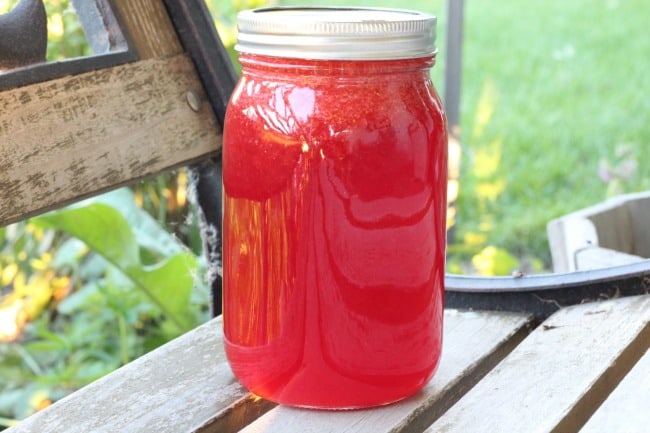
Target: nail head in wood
{"type": "Point", "coordinates": [193, 100]}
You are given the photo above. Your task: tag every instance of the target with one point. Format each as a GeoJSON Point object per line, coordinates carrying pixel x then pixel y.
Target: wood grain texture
{"type": "Point", "coordinates": [626, 409]}
{"type": "Point", "coordinates": [149, 28]}
{"type": "Point", "coordinates": [567, 235]}
{"type": "Point", "coordinates": [557, 377]}
{"type": "Point", "coordinates": [639, 207]}
{"type": "Point", "coordinates": [473, 343]}
{"type": "Point", "coordinates": [76, 136]}
{"type": "Point", "coordinates": [180, 387]}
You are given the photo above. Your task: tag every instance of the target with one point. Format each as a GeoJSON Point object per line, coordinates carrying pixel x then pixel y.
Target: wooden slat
{"type": "Point", "coordinates": [618, 223]}
{"type": "Point", "coordinates": [149, 28]}
{"type": "Point", "coordinates": [183, 386]}
{"type": "Point", "coordinates": [626, 409]}
{"type": "Point", "coordinates": [556, 378]}
{"type": "Point", "coordinates": [567, 235]}
{"type": "Point", "coordinates": [473, 343]}
{"type": "Point", "coordinates": [76, 136]}
{"type": "Point", "coordinates": [614, 226]}
{"type": "Point", "coordinates": [638, 206]}
{"type": "Point", "coordinates": [597, 257]}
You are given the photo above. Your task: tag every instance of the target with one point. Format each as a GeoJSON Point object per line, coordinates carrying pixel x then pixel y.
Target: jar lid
{"type": "Point", "coordinates": [336, 33]}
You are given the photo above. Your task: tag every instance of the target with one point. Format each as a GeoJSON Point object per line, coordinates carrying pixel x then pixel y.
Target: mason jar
{"type": "Point", "coordinates": [335, 174]}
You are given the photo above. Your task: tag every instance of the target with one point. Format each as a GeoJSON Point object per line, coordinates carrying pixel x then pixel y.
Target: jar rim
{"type": "Point", "coordinates": [336, 33]}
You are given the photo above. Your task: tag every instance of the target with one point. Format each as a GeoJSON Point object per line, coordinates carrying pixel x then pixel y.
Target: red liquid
{"type": "Point", "coordinates": [335, 180]}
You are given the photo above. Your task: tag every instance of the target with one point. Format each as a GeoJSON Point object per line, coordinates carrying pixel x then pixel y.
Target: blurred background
{"type": "Point", "coordinates": [553, 118]}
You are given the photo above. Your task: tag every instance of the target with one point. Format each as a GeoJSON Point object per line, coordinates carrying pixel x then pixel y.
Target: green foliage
{"type": "Point", "coordinates": [619, 173]}
{"type": "Point", "coordinates": [129, 285]}
{"type": "Point", "coordinates": [494, 261]}
{"type": "Point", "coordinates": [224, 13]}
{"type": "Point", "coordinates": [86, 289]}
{"type": "Point", "coordinates": [165, 197]}
{"type": "Point", "coordinates": [551, 92]}
{"type": "Point", "coordinates": [7, 5]}
{"type": "Point", "coordinates": [558, 85]}
{"type": "Point", "coordinates": [65, 36]}
{"type": "Point", "coordinates": [107, 232]}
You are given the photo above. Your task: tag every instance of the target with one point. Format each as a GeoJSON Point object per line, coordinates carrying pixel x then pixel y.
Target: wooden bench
{"type": "Point", "coordinates": [64, 137]}
{"type": "Point", "coordinates": [582, 369]}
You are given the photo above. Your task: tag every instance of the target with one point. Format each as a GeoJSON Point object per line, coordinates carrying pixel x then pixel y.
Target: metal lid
{"type": "Point", "coordinates": [336, 33]}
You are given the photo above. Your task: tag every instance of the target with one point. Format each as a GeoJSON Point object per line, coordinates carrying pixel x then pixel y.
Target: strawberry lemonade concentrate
{"type": "Point", "coordinates": [335, 177]}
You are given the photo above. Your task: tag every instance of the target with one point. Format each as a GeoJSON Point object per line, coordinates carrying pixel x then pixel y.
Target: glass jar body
{"type": "Point", "coordinates": [335, 177]}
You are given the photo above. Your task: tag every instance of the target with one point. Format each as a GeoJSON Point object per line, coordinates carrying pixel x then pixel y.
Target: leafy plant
{"type": "Point", "coordinates": [65, 38]}
{"type": "Point", "coordinates": [224, 13]}
{"type": "Point", "coordinates": [116, 286]}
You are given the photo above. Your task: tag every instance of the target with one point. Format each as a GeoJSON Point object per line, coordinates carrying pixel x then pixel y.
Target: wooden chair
{"type": "Point", "coordinates": [536, 354]}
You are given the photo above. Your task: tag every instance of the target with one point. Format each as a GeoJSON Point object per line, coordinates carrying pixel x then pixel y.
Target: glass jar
{"type": "Point", "coordinates": [335, 174]}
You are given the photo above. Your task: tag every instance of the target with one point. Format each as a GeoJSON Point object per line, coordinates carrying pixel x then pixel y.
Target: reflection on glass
{"type": "Point", "coordinates": [335, 234]}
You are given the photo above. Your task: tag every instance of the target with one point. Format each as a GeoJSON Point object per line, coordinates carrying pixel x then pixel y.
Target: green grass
{"type": "Point", "coordinates": [551, 90]}
{"type": "Point", "coordinates": [568, 84]}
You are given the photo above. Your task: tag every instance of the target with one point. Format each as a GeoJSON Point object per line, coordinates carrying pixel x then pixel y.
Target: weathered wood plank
{"type": "Point", "coordinates": [617, 223]}
{"type": "Point", "coordinates": [473, 343]}
{"type": "Point", "coordinates": [614, 226]}
{"type": "Point", "coordinates": [183, 386]}
{"type": "Point", "coordinates": [567, 235]}
{"type": "Point", "coordinates": [626, 409]}
{"type": "Point", "coordinates": [556, 378]}
{"type": "Point", "coordinates": [148, 25]}
{"type": "Point", "coordinates": [597, 257]}
{"type": "Point", "coordinates": [639, 207]}
{"type": "Point", "coordinates": [75, 136]}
